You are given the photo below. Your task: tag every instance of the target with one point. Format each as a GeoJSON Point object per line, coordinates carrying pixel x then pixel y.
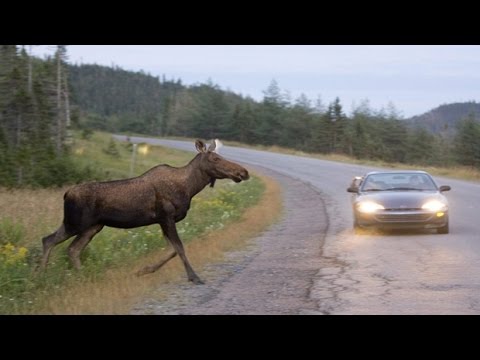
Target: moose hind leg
{"type": "Point", "coordinates": [50, 241]}
{"type": "Point", "coordinates": [80, 242]}
{"type": "Point", "coordinates": [152, 268]}
{"type": "Point", "coordinates": [170, 232]}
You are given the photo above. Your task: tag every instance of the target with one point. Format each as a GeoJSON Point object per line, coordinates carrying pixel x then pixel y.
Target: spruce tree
{"type": "Point", "coordinates": [467, 142]}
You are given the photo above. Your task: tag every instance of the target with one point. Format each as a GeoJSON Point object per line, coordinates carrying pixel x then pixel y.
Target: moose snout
{"type": "Point", "coordinates": [243, 174]}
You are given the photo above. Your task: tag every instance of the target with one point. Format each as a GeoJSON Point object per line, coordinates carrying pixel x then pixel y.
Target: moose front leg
{"type": "Point", "coordinates": [170, 231]}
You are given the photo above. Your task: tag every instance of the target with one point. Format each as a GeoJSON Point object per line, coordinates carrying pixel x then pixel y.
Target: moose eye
{"type": "Point", "coordinates": [215, 159]}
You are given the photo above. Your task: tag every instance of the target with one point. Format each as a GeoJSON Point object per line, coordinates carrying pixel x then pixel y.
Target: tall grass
{"type": "Point", "coordinates": [27, 215]}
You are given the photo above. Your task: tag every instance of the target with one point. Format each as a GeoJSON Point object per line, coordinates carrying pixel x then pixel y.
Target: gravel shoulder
{"type": "Point", "coordinates": [273, 274]}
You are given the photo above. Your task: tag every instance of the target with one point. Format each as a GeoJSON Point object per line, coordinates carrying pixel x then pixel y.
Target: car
{"type": "Point", "coordinates": [399, 200]}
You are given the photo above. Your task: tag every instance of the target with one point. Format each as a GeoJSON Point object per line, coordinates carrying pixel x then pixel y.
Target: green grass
{"type": "Point", "coordinates": [21, 291]}
{"type": "Point", "coordinates": [93, 153]}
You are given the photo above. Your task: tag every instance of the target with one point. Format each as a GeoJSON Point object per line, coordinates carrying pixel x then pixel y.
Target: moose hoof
{"type": "Point", "coordinates": [145, 270]}
{"type": "Point", "coordinates": [197, 281]}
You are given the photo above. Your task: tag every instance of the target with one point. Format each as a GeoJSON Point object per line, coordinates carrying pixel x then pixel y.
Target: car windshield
{"type": "Point", "coordinates": [398, 181]}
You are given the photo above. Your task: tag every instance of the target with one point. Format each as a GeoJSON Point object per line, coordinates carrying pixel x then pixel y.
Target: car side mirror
{"type": "Point", "coordinates": [445, 188]}
{"type": "Point", "coordinates": [352, 189]}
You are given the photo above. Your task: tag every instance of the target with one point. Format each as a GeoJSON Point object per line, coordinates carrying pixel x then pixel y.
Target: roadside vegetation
{"type": "Point", "coordinates": [27, 215]}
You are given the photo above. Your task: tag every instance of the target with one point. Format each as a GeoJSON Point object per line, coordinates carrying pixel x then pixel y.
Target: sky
{"type": "Point", "coordinates": [414, 78]}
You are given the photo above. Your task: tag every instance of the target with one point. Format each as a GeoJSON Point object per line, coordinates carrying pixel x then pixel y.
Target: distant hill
{"type": "Point", "coordinates": [444, 118]}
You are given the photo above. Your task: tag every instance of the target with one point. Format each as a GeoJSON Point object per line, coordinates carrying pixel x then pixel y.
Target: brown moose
{"type": "Point", "coordinates": [161, 195]}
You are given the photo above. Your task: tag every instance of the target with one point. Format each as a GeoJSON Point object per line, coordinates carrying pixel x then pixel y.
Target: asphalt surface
{"type": "Point", "coordinates": [414, 272]}
{"type": "Point", "coordinates": [273, 274]}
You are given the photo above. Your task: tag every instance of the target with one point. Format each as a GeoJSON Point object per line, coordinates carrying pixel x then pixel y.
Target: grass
{"type": "Point", "coordinates": [93, 153]}
{"type": "Point", "coordinates": [109, 262]}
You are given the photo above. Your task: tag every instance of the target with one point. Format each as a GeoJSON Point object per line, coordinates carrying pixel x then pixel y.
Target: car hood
{"type": "Point", "coordinates": [402, 199]}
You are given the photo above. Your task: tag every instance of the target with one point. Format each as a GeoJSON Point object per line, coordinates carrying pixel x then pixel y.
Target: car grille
{"type": "Point", "coordinates": [403, 217]}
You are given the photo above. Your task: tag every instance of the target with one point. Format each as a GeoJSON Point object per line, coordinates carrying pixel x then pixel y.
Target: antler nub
{"type": "Point", "coordinates": [218, 145]}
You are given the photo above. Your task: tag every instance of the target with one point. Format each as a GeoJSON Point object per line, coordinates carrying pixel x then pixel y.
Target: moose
{"type": "Point", "coordinates": [162, 195]}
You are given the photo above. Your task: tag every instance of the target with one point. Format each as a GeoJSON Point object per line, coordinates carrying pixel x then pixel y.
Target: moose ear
{"type": "Point", "coordinates": [200, 145]}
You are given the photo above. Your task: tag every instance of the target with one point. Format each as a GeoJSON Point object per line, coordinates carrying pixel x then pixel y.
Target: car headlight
{"type": "Point", "coordinates": [369, 207]}
{"type": "Point", "coordinates": [434, 205]}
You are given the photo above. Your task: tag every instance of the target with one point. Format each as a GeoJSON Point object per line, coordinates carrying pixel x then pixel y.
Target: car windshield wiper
{"type": "Point", "coordinates": [375, 190]}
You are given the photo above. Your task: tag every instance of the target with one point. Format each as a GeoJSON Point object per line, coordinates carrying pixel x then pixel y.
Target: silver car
{"type": "Point", "coordinates": [399, 200]}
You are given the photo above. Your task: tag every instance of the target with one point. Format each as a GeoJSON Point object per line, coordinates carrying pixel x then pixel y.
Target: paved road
{"type": "Point", "coordinates": [271, 275]}
{"type": "Point", "coordinates": [381, 273]}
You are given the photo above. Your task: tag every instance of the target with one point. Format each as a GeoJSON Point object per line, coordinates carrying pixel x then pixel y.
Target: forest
{"type": "Point", "coordinates": [42, 101]}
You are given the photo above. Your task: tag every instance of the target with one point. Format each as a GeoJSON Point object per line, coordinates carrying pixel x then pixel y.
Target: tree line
{"type": "Point", "coordinates": [116, 100]}
{"type": "Point", "coordinates": [40, 100]}
{"type": "Point", "coordinates": [34, 119]}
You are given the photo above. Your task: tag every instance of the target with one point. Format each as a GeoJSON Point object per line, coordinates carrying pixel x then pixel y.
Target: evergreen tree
{"type": "Point", "coordinates": [420, 147]}
{"type": "Point", "coordinates": [319, 106]}
{"type": "Point", "coordinates": [359, 132]}
{"type": "Point", "coordinates": [296, 132]}
{"type": "Point", "coordinates": [467, 142]}
{"type": "Point", "coordinates": [243, 123]}
{"type": "Point", "coordinates": [164, 116]}
{"type": "Point", "coordinates": [339, 123]}
{"type": "Point", "coordinates": [330, 129]}
{"type": "Point", "coordinates": [321, 137]}
{"type": "Point", "coordinates": [62, 99]}
{"type": "Point", "coordinates": [272, 112]}
{"type": "Point", "coordinates": [28, 122]}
